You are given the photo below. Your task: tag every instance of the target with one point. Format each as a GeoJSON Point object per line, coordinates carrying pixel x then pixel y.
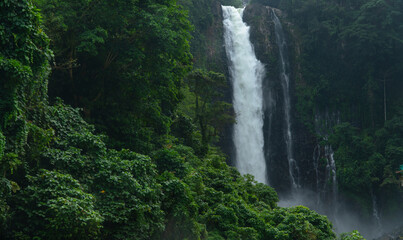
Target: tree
{"type": "Point", "coordinates": [24, 66]}
{"type": "Point", "coordinates": [123, 62]}
{"type": "Point", "coordinates": [54, 206]}
{"type": "Point", "coordinates": [354, 235]}
{"type": "Point", "coordinates": [211, 112]}
{"type": "Point", "coordinates": [123, 183]}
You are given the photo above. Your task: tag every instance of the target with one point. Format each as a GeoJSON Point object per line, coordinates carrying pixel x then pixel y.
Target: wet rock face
{"type": "Point", "coordinates": [258, 17]}
{"type": "Point", "coordinates": [263, 38]}
{"type": "Point", "coordinates": [215, 51]}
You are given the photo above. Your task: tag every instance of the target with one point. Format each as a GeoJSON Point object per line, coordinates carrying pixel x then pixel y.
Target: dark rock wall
{"type": "Point", "coordinates": [216, 49]}
{"type": "Point", "coordinates": [213, 56]}
{"type": "Point", "coordinates": [262, 34]}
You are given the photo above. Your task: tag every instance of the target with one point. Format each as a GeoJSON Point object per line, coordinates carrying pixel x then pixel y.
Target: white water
{"type": "Point", "coordinates": [332, 166]}
{"type": "Point", "coordinates": [331, 174]}
{"type": "Point", "coordinates": [316, 159]}
{"type": "Point", "coordinates": [285, 84]}
{"type": "Point", "coordinates": [323, 126]}
{"type": "Point", "coordinates": [246, 73]}
{"type": "Point", "coordinates": [375, 214]}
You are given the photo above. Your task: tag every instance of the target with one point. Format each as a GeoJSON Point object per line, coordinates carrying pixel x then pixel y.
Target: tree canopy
{"type": "Point", "coordinates": [123, 63]}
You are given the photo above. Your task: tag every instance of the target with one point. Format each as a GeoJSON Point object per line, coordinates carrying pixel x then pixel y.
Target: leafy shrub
{"type": "Point", "coordinates": [300, 223]}
{"type": "Point", "coordinates": [54, 206]}
{"type": "Point", "coordinates": [180, 210]}
{"type": "Point", "coordinates": [128, 196]}
{"type": "Point", "coordinates": [354, 235]}
{"type": "Point", "coordinates": [169, 160]}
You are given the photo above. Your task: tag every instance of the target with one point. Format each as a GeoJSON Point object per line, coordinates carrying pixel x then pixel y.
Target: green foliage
{"type": "Point", "coordinates": [347, 61]}
{"type": "Point", "coordinates": [24, 66]}
{"type": "Point", "coordinates": [265, 194]}
{"type": "Point", "coordinates": [235, 3]}
{"type": "Point", "coordinates": [123, 62]}
{"type": "Point", "coordinates": [214, 201]}
{"type": "Point", "coordinates": [169, 160]}
{"type": "Point", "coordinates": [3, 183]}
{"type": "Point", "coordinates": [123, 182]}
{"type": "Point", "coordinates": [352, 152]}
{"type": "Point", "coordinates": [2, 145]}
{"type": "Point", "coordinates": [54, 206]}
{"type": "Point", "coordinates": [184, 129]}
{"type": "Point", "coordinates": [23, 59]}
{"type": "Point", "coordinates": [301, 223]}
{"type": "Point", "coordinates": [128, 196]}
{"type": "Point", "coordinates": [354, 235]}
{"type": "Point", "coordinates": [347, 52]}
{"type": "Point", "coordinates": [8, 161]}
{"type": "Point", "coordinates": [365, 161]}
{"type": "Point", "coordinates": [241, 212]}
{"type": "Point", "coordinates": [180, 209]}
{"type": "Point", "coordinates": [211, 112]}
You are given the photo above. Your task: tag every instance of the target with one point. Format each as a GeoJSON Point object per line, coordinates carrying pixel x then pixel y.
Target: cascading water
{"type": "Point", "coordinates": [323, 127]}
{"type": "Point", "coordinates": [285, 85]}
{"type": "Point", "coordinates": [313, 180]}
{"type": "Point", "coordinates": [326, 185]}
{"type": "Point", "coordinates": [246, 73]}
{"type": "Point", "coordinates": [375, 213]}
{"type": "Point", "coordinates": [316, 159]}
{"type": "Point", "coordinates": [331, 175]}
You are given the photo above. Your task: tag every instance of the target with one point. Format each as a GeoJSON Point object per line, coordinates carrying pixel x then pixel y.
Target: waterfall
{"type": "Point", "coordinates": [323, 127]}
{"type": "Point", "coordinates": [285, 85]}
{"type": "Point", "coordinates": [375, 213]}
{"type": "Point", "coordinates": [331, 177]}
{"type": "Point", "coordinates": [266, 108]}
{"type": "Point", "coordinates": [316, 159]}
{"type": "Point", "coordinates": [326, 184]}
{"type": "Point", "coordinates": [246, 73]}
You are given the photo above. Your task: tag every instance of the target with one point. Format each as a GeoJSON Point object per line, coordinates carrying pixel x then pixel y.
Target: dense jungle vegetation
{"type": "Point", "coordinates": [146, 170]}
{"type": "Point", "coordinates": [349, 67]}
{"type": "Point", "coordinates": [110, 115]}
